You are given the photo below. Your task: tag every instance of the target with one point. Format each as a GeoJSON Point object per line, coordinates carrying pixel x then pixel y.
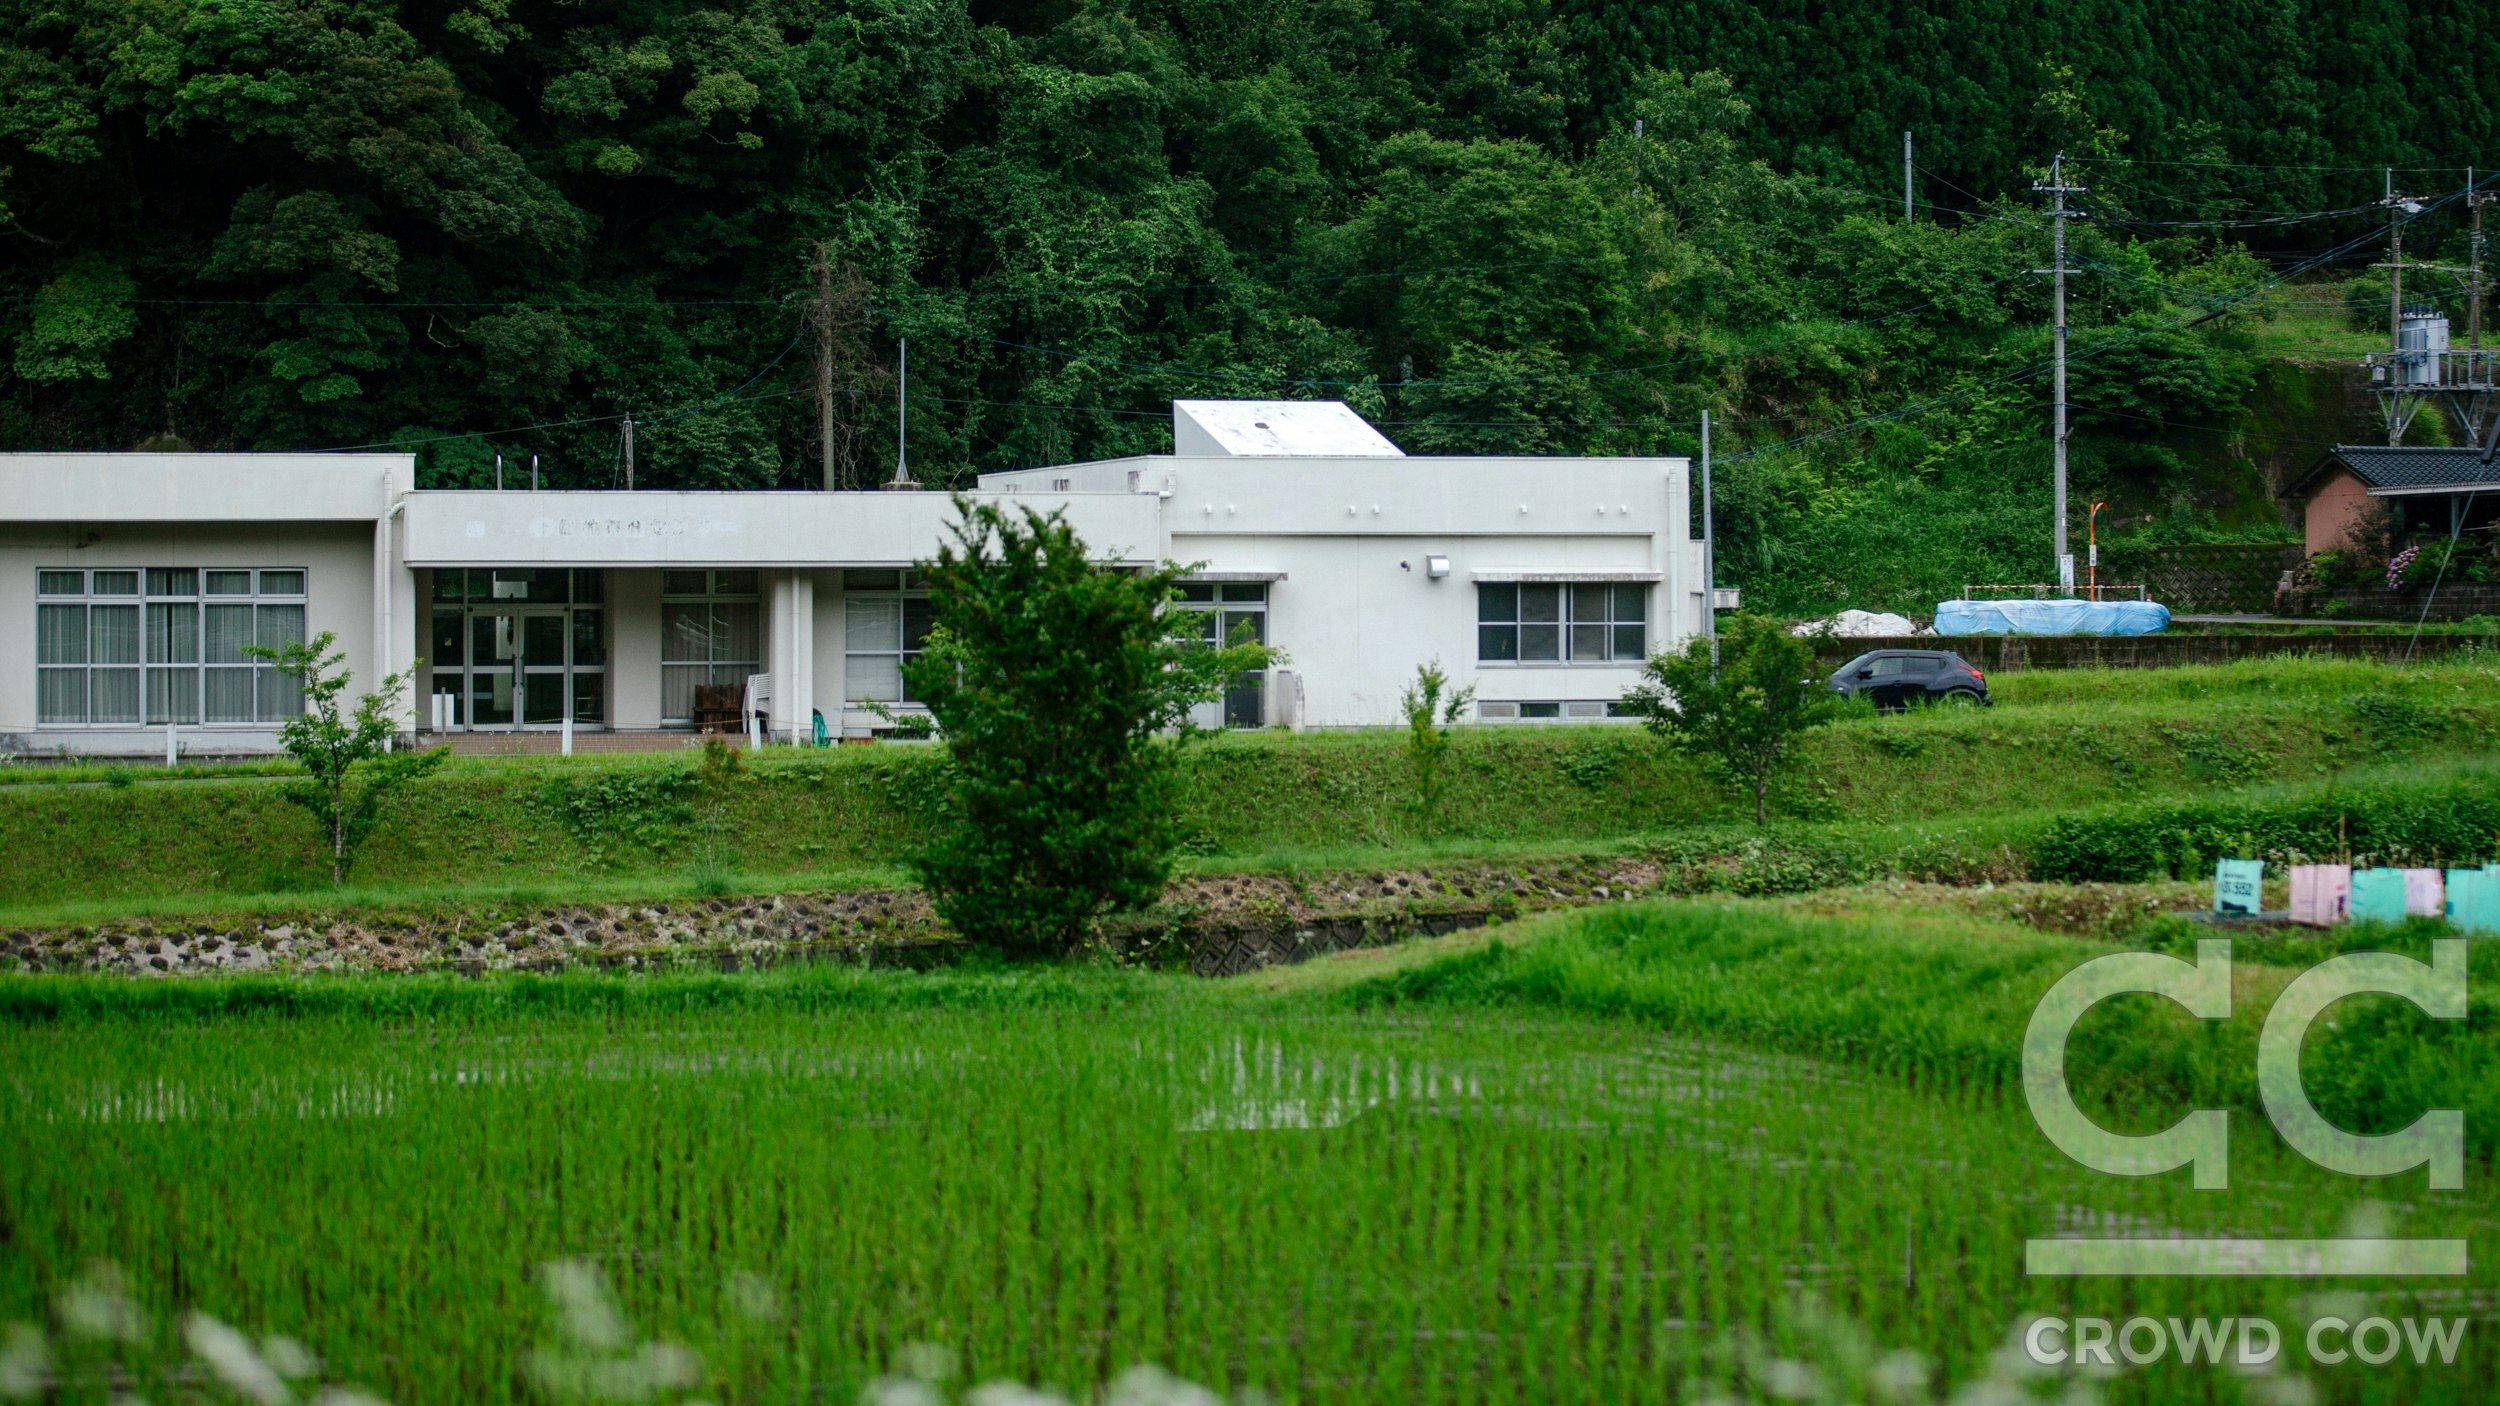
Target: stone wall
{"type": "Point", "coordinates": [1214, 926]}
{"type": "Point", "coordinates": [2456, 600]}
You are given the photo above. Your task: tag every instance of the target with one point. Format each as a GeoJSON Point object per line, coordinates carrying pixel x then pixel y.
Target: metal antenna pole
{"type": "Point", "coordinates": [902, 409]}
{"type": "Point", "coordinates": [533, 473]}
{"type": "Point", "coordinates": [1709, 551]}
{"type": "Point", "coordinates": [629, 453]}
{"type": "Point", "coordinates": [499, 473]}
{"type": "Point", "coordinates": [824, 365]}
{"type": "Point", "coordinates": [1906, 163]}
{"type": "Point", "coordinates": [2063, 565]}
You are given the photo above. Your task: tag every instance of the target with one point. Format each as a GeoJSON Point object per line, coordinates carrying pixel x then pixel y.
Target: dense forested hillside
{"type": "Point", "coordinates": [482, 226]}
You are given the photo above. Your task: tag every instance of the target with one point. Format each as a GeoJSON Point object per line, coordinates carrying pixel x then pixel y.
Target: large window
{"type": "Point", "coordinates": [125, 646]}
{"type": "Point", "coordinates": [1225, 608]}
{"type": "Point", "coordinates": [886, 617]}
{"type": "Point", "coordinates": [711, 632]}
{"type": "Point", "coordinates": [1583, 622]}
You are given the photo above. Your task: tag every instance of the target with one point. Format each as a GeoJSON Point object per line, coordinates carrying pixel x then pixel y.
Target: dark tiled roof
{"type": "Point", "coordinates": [2387, 466]}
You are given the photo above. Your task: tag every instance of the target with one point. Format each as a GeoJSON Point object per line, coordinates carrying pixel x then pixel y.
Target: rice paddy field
{"type": "Point", "coordinates": [1430, 1176]}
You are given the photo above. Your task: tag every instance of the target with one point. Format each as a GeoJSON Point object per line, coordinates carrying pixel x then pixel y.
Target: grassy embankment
{"type": "Point", "coordinates": [1973, 790]}
{"type": "Point", "coordinates": [1572, 1164]}
{"type": "Point", "coordinates": [2308, 322]}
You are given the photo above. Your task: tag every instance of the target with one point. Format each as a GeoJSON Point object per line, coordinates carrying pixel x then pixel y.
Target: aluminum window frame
{"type": "Point", "coordinates": [909, 588]}
{"type": "Point", "coordinates": [1226, 604]}
{"type": "Point", "coordinates": [170, 677]}
{"type": "Point", "coordinates": [722, 587]}
{"type": "Point", "coordinates": [1593, 624]}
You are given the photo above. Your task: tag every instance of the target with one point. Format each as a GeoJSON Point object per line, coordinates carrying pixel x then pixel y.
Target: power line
{"type": "Point", "coordinates": [279, 304]}
{"type": "Point", "coordinates": [2270, 220]}
{"type": "Point", "coordinates": [1210, 373]}
{"type": "Point", "coordinates": [1916, 408]}
{"type": "Point", "coordinates": [2456, 164]}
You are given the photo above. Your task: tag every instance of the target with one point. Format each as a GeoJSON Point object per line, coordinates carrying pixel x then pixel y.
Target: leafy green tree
{"type": "Point", "coordinates": [349, 763]}
{"type": "Point", "coordinates": [1551, 226]}
{"type": "Point", "coordinates": [1431, 707]}
{"type": "Point", "coordinates": [1742, 713]}
{"type": "Point", "coordinates": [1059, 683]}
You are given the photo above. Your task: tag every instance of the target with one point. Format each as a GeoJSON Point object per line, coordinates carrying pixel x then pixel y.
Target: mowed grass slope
{"type": "Point", "coordinates": [2057, 741]}
{"type": "Point", "coordinates": [1580, 1164]}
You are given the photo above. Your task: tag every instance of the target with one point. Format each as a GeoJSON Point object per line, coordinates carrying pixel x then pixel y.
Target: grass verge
{"type": "Point", "coordinates": [1940, 997]}
{"type": "Point", "coordinates": [2060, 741]}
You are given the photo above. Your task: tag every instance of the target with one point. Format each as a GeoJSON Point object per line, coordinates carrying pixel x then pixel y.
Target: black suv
{"type": "Point", "coordinates": [1897, 678]}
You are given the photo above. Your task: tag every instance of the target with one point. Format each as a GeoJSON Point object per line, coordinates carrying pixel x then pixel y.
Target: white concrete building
{"type": "Point", "coordinates": [130, 582]}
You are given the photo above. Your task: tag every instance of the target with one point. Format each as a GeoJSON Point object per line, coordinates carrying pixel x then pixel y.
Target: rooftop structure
{"type": "Point", "coordinates": [1275, 429]}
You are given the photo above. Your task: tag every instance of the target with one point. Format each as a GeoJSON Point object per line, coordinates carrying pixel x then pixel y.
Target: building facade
{"type": "Point", "coordinates": [130, 585]}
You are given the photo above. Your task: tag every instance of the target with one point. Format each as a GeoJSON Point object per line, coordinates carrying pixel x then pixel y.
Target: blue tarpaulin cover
{"type": "Point", "coordinates": [2051, 617]}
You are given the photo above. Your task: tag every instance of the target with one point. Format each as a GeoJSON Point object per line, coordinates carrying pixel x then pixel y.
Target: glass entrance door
{"type": "Point", "coordinates": [494, 672]}
{"type": "Point", "coordinates": [523, 671]}
{"type": "Point", "coordinates": [542, 667]}
{"type": "Point", "coordinates": [504, 660]}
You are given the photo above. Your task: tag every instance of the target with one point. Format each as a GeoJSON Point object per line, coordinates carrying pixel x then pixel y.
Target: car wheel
{"type": "Point", "coordinates": [1958, 698]}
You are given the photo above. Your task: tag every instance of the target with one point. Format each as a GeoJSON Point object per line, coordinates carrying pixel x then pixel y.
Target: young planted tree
{"type": "Point", "coordinates": [1062, 687]}
{"type": "Point", "coordinates": [1744, 714]}
{"type": "Point", "coordinates": [1429, 716]}
{"type": "Point", "coordinates": [349, 766]}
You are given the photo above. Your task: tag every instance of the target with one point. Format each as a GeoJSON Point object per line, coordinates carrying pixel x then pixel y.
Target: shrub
{"type": "Point", "coordinates": [1741, 703]}
{"type": "Point", "coordinates": [1431, 709]}
{"type": "Point", "coordinates": [337, 753]}
{"type": "Point", "coordinates": [1055, 681]}
{"type": "Point", "coordinates": [2448, 821]}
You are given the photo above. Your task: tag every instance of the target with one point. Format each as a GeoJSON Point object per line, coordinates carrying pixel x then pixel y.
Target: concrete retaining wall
{"type": "Point", "coordinates": [2006, 653]}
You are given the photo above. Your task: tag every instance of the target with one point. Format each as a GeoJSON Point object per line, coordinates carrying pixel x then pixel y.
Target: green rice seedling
{"type": "Point", "coordinates": [1504, 1191]}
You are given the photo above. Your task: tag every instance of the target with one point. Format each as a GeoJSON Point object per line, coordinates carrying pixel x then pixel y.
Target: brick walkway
{"type": "Point", "coordinates": [548, 744]}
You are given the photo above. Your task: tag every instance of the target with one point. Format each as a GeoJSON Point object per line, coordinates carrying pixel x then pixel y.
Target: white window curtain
{"type": "Point", "coordinates": [117, 659]}
{"type": "Point", "coordinates": [711, 641]}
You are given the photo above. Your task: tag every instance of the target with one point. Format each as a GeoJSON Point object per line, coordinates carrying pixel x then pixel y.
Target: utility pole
{"type": "Point", "coordinates": [824, 365]}
{"type": "Point", "coordinates": [2474, 201]}
{"type": "Point", "coordinates": [2399, 375]}
{"type": "Point", "coordinates": [2064, 564]}
{"type": "Point", "coordinates": [629, 453]}
{"type": "Point", "coordinates": [1709, 552]}
{"type": "Point", "coordinates": [1906, 164]}
{"type": "Point", "coordinates": [2473, 401]}
{"type": "Point", "coordinates": [2395, 266]}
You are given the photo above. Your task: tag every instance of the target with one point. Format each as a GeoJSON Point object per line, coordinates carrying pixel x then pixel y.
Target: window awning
{"type": "Point", "coordinates": [1565, 577]}
{"type": "Point", "coordinates": [1220, 578]}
